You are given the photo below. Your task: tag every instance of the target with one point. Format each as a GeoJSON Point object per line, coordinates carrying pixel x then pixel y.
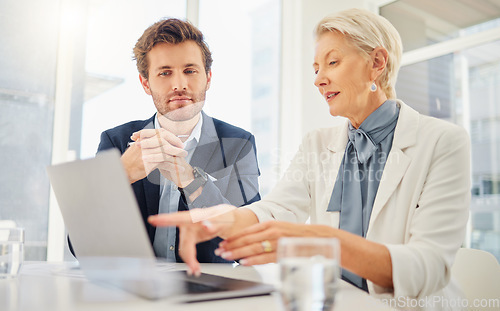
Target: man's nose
{"type": "Point", "coordinates": [179, 83]}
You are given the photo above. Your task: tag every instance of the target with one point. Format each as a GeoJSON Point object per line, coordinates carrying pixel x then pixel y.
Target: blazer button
{"type": "Point", "coordinates": [171, 247]}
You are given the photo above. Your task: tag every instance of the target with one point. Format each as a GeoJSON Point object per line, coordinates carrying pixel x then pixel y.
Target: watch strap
{"type": "Point", "coordinates": [200, 179]}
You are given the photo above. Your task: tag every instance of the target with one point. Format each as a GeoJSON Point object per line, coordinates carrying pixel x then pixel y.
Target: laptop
{"type": "Point", "coordinates": [110, 240]}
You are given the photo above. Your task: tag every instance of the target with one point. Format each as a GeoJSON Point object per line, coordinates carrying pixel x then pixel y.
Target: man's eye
{"type": "Point", "coordinates": [165, 73]}
{"type": "Point", "coordinates": [190, 71]}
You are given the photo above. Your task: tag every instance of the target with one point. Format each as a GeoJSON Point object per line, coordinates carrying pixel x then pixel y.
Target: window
{"type": "Point", "coordinates": [426, 22]}
{"type": "Point", "coordinates": [28, 45]}
{"type": "Point", "coordinates": [245, 80]}
{"type": "Point", "coordinates": [103, 91]}
{"type": "Point", "coordinates": [456, 78]}
{"type": "Point", "coordinates": [112, 91]}
{"type": "Point", "coordinates": [84, 48]}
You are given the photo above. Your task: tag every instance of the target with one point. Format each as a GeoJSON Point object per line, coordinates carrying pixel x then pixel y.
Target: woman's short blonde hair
{"type": "Point", "coordinates": [366, 31]}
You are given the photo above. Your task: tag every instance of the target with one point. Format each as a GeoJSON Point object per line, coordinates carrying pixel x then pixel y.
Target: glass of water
{"type": "Point", "coordinates": [310, 271]}
{"type": "Point", "coordinates": [11, 251]}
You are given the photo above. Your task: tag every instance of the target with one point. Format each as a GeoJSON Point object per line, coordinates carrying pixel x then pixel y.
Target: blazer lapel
{"type": "Point", "coordinates": [207, 145]}
{"type": "Point", "coordinates": [338, 142]}
{"type": "Point", "coordinates": [203, 151]}
{"type": "Point", "coordinates": [405, 135]}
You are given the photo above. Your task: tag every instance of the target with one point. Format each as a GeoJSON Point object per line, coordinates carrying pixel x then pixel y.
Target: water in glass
{"type": "Point", "coordinates": [11, 258]}
{"type": "Point", "coordinates": [309, 283]}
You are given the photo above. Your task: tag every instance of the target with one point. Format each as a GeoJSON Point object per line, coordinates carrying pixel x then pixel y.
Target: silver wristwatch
{"type": "Point", "coordinates": [200, 179]}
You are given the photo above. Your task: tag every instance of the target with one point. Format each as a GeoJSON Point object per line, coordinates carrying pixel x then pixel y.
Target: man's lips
{"type": "Point", "coordinates": [179, 99]}
{"type": "Point", "coordinates": [330, 95]}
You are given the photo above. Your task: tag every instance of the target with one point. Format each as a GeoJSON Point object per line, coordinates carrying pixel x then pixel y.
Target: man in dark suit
{"type": "Point", "coordinates": [181, 158]}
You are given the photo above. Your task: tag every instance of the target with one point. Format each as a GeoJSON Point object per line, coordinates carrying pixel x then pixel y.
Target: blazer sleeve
{"type": "Point", "coordinates": [290, 199]}
{"type": "Point", "coordinates": [107, 143]}
{"type": "Point", "coordinates": [436, 231]}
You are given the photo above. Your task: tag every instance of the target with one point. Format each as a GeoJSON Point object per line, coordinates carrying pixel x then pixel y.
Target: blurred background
{"type": "Point", "coordinates": [67, 74]}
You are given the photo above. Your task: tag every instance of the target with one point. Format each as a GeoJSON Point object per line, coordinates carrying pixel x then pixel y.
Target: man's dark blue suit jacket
{"type": "Point", "coordinates": [225, 152]}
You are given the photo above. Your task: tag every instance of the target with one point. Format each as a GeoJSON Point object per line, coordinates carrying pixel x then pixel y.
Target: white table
{"type": "Point", "coordinates": [43, 286]}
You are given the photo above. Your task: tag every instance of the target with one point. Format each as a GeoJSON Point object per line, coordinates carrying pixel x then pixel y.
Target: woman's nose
{"type": "Point", "coordinates": [320, 80]}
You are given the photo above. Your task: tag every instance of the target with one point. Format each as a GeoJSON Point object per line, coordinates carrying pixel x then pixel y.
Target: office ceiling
{"type": "Point", "coordinates": [423, 22]}
{"type": "Point", "coordinates": [461, 13]}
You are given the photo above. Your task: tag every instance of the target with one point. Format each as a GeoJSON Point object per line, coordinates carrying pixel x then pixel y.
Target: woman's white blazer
{"type": "Point", "coordinates": [421, 207]}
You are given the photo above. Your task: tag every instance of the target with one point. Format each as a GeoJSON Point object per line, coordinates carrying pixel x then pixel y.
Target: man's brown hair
{"type": "Point", "coordinates": [172, 31]}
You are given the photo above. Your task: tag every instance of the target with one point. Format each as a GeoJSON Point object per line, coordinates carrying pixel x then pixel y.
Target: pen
{"type": "Point", "coordinates": [130, 143]}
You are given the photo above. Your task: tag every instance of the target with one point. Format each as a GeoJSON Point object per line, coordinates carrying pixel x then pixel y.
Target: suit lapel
{"type": "Point", "coordinates": [207, 145]}
{"type": "Point", "coordinates": [339, 139]}
{"type": "Point", "coordinates": [338, 142]}
{"type": "Point", "coordinates": [203, 151]}
{"type": "Point", "coordinates": [405, 135]}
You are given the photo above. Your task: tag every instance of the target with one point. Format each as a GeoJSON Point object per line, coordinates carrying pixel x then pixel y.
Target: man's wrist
{"type": "Point", "coordinates": [133, 164]}
{"type": "Point", "coordinates": [199, 180]}
{"type": "Point", "coordinates": [132, 172]}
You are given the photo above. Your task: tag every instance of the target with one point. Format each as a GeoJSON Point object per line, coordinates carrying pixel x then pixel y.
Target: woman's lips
{"type": "Point", "coordinates": [331, 95]}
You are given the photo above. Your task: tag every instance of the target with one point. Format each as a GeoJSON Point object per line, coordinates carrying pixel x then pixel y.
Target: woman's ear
{"type": "Point", "coordinates": [379, 60]}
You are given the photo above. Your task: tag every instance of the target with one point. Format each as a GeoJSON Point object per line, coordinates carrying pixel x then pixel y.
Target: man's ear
{"type": "Point", "coordinates": [145, 84]}
{"type": "Point", "coordinates": [379, 58]}
{"type": "Point", "coordinates": [209, 80]}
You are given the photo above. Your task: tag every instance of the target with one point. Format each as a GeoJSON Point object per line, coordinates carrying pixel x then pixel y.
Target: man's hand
{"type": "Point", "coordinates": [133, 164]}
{"type": "Point", "coordinates": [160, 149]}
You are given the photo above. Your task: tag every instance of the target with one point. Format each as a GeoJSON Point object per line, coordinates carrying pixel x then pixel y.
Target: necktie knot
{"type": "Point", "coordinates": [364, 146]}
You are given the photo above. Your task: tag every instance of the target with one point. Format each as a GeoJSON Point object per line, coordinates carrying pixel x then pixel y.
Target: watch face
{"type": "Point", "coordinates": [199, 173]}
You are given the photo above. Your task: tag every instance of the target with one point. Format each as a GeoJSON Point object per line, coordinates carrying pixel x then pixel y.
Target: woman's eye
{"type": "Point", "coordinates": [333, 62]}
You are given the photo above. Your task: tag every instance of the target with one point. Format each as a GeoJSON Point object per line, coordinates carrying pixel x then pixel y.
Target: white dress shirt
{"type": "Point", "coordinates": [165, 237]}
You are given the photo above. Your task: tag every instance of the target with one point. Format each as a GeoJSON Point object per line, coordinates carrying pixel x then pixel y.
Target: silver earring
{"type": "Point", "coordinates": [373, 87]}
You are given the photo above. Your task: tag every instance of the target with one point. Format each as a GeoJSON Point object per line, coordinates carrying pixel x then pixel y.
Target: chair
{"type": "Point", "coordinates": [478, 274]}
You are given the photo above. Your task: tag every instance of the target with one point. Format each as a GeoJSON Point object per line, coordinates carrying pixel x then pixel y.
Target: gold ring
{"type": "Point", "coordinates": [266, 246]}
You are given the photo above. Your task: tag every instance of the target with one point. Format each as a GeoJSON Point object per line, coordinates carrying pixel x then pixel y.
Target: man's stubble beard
{"type": "Point", "coordinates": [184, 113]}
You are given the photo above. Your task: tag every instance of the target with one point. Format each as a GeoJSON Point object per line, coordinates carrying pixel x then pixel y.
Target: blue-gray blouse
{"type": "Point", "coordinates": [361, 170]}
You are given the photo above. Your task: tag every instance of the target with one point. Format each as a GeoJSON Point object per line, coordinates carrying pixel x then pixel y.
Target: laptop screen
{"type": "Point", "coordinates": [110, 240]}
